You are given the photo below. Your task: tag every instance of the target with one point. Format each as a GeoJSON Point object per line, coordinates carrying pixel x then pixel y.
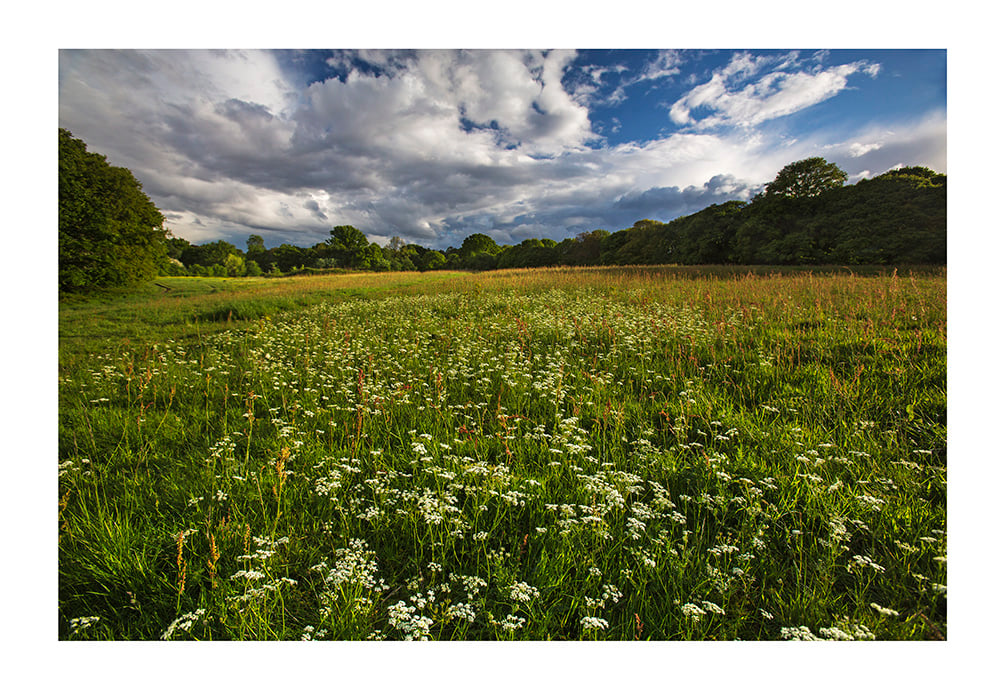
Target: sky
{"type": "Point", "coordinates": [433, 145]}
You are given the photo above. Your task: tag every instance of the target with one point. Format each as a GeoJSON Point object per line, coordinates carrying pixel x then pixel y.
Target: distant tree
{"type": "Point", "coordinates": [590, 246]}
{"type": "Point", "coordinates": [110, 234]}
{"type": "Point", "coordinates": [371, 258]}
{"type": "Point", "coordinates": [482, 261]}
{"type": "Point", "coordinates": [209, 254]}
{"type": "Point", "coordinates": [253, 268]}
{"type": "Point", "coordinates": [399, 255]}
{"type": "Point", "coordinates": [235, 265]}
{"type": "Point", "coordinates": [478, 243]}
{"type": "Point", "coordinates": [610, 244]}
{"type": "Point", "coordinates": [919, 175]}
{"type": "Point", "coordinates": [348, 246]}
{"type": "Point", "coordinates": [530, 253]}
{"type": "Point", "coordinates": [288, 256]}
{"type": "Point", "coordinates": [175, 246]}
{"type": "Point", "coordinates": [432, 260]}
{"type": "Point", "coordinates": [255, 244]}
{"type": "Point", "coordinates": [806, 178]}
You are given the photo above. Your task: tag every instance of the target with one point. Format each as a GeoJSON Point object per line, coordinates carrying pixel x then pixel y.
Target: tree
{"type": "Point", "coordinates": [431, 260]}
{"type": "Point", "coordinates": [209, 254]}
{"type": "Point", "coordinates": [175, 247]}
{"type": "Point", "coordinates": [478, 243]}
{"type": "Point", "coordinates": [255, 245]}
{"type": "Point", "coordinates": [348, 246]}
{"type": "Point", "coordinates": [235, 265]}
{"type": "Point", "coordinates": [110, 234]}
{"type": "Point", "coordinates": [806, 178]}
{"type": "Point", "coordinates": [371, 258]}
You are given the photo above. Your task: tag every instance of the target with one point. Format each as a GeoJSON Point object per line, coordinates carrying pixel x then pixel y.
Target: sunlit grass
{"type": "Point", "coordinates": [547, 454]}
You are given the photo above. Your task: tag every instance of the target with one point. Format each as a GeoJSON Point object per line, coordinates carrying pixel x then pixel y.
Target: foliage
{"type": "Point", "coordinates": [110, 234]}
{"type": "Point", "coordinates": [349, 247]}
{"type": "Point", "coordinates": [806, 178]}
{"type": "Point", "coordinates": [478, 243]}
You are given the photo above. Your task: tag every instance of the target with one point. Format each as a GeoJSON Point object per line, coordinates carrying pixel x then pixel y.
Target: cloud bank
{"type": "Point", "coordinates": [432, 146]}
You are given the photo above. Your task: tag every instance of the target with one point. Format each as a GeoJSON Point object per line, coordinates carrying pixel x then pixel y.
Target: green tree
{"type": "Point", "coordinates": [255, 244]}
{"type": "Point", "coordinates": [431, 261]}
{"type": "Point", "coordinates": [253, 268]}
{"type": "Point", "coordinates": [348, 246]}
{"type": "Point", "coordinates": [806, 178]}
{"type": "Point", "coordinates": [209, 254]}
{"type": "Point", "coordinates": [110, 234]}
{"type": "Point", "coordinates": [235, 265]}
{"type": "Point", "coordinates": [478, 243]}
{"type": "Point", "coordinates": [175, 247]}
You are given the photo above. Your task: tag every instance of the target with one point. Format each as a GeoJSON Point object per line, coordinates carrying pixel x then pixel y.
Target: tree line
{"type": "Point", "coordinates": [110, 233]}
{"type": "Point", "coordinates": [807, 215]}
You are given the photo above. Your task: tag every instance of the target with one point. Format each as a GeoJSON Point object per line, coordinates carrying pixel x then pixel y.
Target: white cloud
{"type": "Point", "coordinates": [729, 97]}
{"type": "Point", "coordinates": [858, 149]}
{"type": "Point", "coordinates": [922, 142]}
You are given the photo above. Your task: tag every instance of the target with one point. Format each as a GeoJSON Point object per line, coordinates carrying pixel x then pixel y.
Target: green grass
{"type": "Point", "coordinates": [652, 453]}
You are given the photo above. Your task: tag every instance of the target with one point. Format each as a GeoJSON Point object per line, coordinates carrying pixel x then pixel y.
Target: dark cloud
{"type": "Point", "coordinates": [670, 202]}
{"type": "Point", "coordinates": [314, 207]}
{"type": "Point", "coordinates": [243, 113]}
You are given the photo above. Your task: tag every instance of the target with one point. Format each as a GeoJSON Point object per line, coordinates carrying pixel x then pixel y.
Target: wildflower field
{"type": "Point", "coordinates": [551, 454]}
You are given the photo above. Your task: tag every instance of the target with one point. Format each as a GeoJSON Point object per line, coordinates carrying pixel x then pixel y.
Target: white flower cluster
{"type": "Point", "coordinates": [266, 548]}
{"type": "Point", "coordinates": [712, 607]}
{"type": "Point", "coordinates": [844, 631]}
{"type": "Point", "coordinates": [860, 561]}
{"type": "Point", "coordinates": [692, 611]}
{"type": "Point", "coordinates": [512, 623]}
{"type": "Point", "coordinates": [798, 633]}
{"type": "Point", "coordinates": [884, 611]}
{"type": "Point", "coordinates": [589, 623]}
{"type": "Point", "coordinates": [404, 617]}
{"type": "Point", "coordinates": [461, 610]}
{"type": "Point", "coordinates": [183, 622]}
{"type": "Point", "coordinates": [310, 633]}
{"type": "Point", "coordinates": [522, 592]}
{"type": "Point", "coordinates": [82, 623]}
{"type": "Point", "coordinates": [355, 564]}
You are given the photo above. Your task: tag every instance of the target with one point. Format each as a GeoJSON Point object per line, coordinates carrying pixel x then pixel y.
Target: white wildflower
{"type": "Point", "coordinates": [884, 610]}
{"type": "Point", "coordinates": [183, 622]}
{"type": "Point", "coordinates": [797, 633]}
{"type": "Point", "coordinates": [712, 607]}
{"type": "Point", "coordinates": [593, 623]}
{"type": "Point", "coordinates": [522, 592]}
{"type": "Point", "coordinates": [82, 623]}
{"type": "Point", "coordinates": [692, 611]}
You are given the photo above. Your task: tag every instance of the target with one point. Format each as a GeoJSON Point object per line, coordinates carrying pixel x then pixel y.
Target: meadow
{"type": "Point", "coordinates": [649, 453]}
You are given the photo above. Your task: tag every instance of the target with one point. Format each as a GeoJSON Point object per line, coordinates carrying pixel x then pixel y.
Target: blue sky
{"type": "Point", "coordinates": [433, 145]}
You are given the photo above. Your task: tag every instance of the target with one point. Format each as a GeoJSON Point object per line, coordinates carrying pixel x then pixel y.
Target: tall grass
{"type": "Point", "coordinates": [546, 454]}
